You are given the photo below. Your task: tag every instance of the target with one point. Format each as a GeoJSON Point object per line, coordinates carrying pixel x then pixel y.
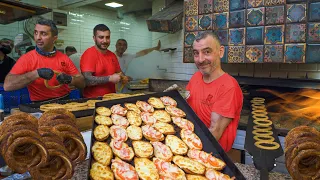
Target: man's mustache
{"type": "Point", "coordinates": [205, 62]}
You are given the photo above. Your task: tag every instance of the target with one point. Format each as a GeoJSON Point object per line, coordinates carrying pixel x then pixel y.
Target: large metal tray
{"type": "Point", "coordinates": [35, 107]}
{"type": "Point", "coordinates": [209, 142]}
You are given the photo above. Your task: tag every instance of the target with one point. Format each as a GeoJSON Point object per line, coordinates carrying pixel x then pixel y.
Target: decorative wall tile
{"type": "Point", "coordinates": [314, 11]}
{"type": "Point", "coordinates": [294, 1]}
{"type": "Point", "coordinates": [254, 3]}
{"type": "Point", "coordinates": [189, 38]}
{"type": "Point", "coordinates": [313, 51]}
{"type": "Point", "coordinates": [273, 2]}
{"type": "Point", "coordinates": [205, 22]}
{"type": "Point", "coordinates": [255, 16]}
{"type": "Point", "coordinates": [295, 33]}
{"type": "Point", "coordinates": [236, 54]}
{"type": "Point", "coordinates": [274, 15]}
{"type": "Point", "coordinates": [254, 35]}
{"type": "Point", "coordinates": [237, 5]}
{"type": "Point", "coordinates": [191, 7]}
{"type": "Point", "coordinates": [223, 36]}
{"type": "Point", "coordinates": [220, 20]}
{"type": "Point", "coordinates": [237, 36]}
{"type": "Point", "coordinates": [221, 6]}
{"type": "Point", "coordinates": [314, 32]}
{"type": "Point", "coordinates": [273, 53]}
{"type": "Point", "coordinates": [237, 19]}
{"type": "Point", "coordinates": [274, 34]}
{"type": "Point", "coordinates": [191, 23]}
{"type": "Point", "coordinates": [188, 55]}
{"type": "Point", "coordinates": [205, 6]}
{"type": "Point", "coordinates": [296, 13]}
{"type": "Point", "coordinates": [224, 59]}
{"type": "Point", "coordinates": [254, 54]}
{"type": "Point", "coordinates": [294, 53]}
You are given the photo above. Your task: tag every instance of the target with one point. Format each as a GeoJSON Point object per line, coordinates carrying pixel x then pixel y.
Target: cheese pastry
{"type": "Point", "coordinates": [162, 151]}
{"type": "Point", "coordinates": [123, 170]}
{"type": "Point", "coordinates": [195, 177]}
{"type": "Point", "coordinates": [151, 134]}
{"type": "Point", "coordinates": [175, 112]}
{"type": "Point", "coordinates": [212, 174]}
{"type": "Point", "coordinates": [99, 171]}
{"type": "Point", "coordinates": [134, 118]}
{"type": "Point", "coordinates": [103, 120]}
{"type": "Point", "coordinates": [118, 109]}
{"type": "Point", "coordinates": [162, 116]}
{"type": "Point", "coordinates": [183, 123]}
{"type": "Point", "coordinates": [132, 107]}
{"type": "Point", "coordinates": [147, 118]}
{"type": "Point", "coordinates": [103, 111]}
{"type": "Point", "coordinates": [122, 150]}
{"type": "Point", "coordinates": [168, 101]}
{"type": "Point", "coordinates": [101, 132]}
{"type": "Point", "coordinates": [146, 169]}
{"type": "Point", "coordinates": [191, 139]}
{"type": "Point", "coordinates": [119, 120]}
{"type": "Point", "coordinates": [168, 169]}
{"type": "Point", "coordinates": [102, 153]}
{"type": "Point", "coordinates": [142, 149]}
{"type": "Point", "coordinates": [177, 146]}
{"type": "Point", "coordinates": [134, 132]}
{"type": "Point", "coordinates": [118, 133]}
{"type": "Point", "coordinates": [189, 165]}
{"type": "Point", "coordinates": [206, 159]}
{"type": "Point", "coordinates": [144, 106]}
{"type": "Point", "coordinates": [164, 128]}
{"type": "Point", "coordinates": [156, 103]}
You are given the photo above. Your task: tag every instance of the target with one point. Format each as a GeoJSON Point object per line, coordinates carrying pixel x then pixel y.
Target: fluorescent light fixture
{"type": "Point", "coordinates": [114, 4]}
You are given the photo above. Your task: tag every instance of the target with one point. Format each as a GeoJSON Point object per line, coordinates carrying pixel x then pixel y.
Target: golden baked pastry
{"type": "Point", "coordinates": [119, 110]}
{"type": "Point", "coordinates": [122, 150]}
{"type": "Point", "coordinates": [142, 149]}
{"type": "Point", "coordinates": [206, 159]}
{"type": "Point", "coordinates": [195, 177]}
{"type": "Point", "coordinates": [92, 103]}
{"type": "Point", "coordinates": [175, 112]}
{"type": "Point", "coordinates": [189, 165]}
{"type": "Point", "coordinates": [134, 118]}
{"type": "Point", "coordinates": [156, 102]}
{"type": "Point", "coordinates": [132, 107]}
{"type": "Point", "coordinates": [177, 146]}
{"type": "Point", "coordinates": [123, 170]}
{"type": "Point", "coordinates": [147, 118]}
{"type": "Point", "coordinates": [46, 107]}
{"type": "Point", "coordinates": [119, 120]}
{"type": "Point", "coordinates": [146, 169]}
{"type": "Point", "coordinates": [191, 139]}
{"type": "Point", "coordinates": [102, 153]}
{"type": "Point", "coordinates": [162, 151]}
{"type": "Point", "coordinates": [183, 123]}
{"type": "Point", "coordinates": [151, 134]}
{"type": "Point", "coordinates": [164, 128]}
{"type": "Point", "coordinates": [101, 132]}
{"type": "Point", "coordinates": [134, 132]}
{"type": "Point", "coordinates": [99, 171]}
{"type": "Point", "coordinates": [162, 115]}
{"type": "Point", "coordinates": [118, 133]}
{"type": "Point", "coordinates": [144, 106]}
{"type": "Point", "coordinates": [103, 120]}
{"type": "Point", "coordinates": [103, 111]}
{"type": "Point", "coordinates": [169, 170]}
{"type": "Point", "coordinates": [212, 174]}
{"type": "Point", "coordinates": [168, 101]}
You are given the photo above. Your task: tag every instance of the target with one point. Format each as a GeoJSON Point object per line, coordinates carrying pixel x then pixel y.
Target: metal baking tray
{"type": "Point", "coordinates": [209, 142]}
{"type": "Point", "coordinates": [35, 107]}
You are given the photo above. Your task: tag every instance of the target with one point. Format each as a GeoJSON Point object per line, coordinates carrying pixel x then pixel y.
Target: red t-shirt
{"type": "Point", "coordinates": [99, 64]}
{"type": "Point", "coordinates": [222, 96]}
{"type": "Point", "coordinates": [32, 61]}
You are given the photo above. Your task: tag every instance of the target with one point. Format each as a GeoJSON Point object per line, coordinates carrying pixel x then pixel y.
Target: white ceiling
{"type": "Point", "coordinates": [129, 6]}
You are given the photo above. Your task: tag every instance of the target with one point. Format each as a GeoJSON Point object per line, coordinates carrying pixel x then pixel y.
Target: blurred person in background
{"type": "Point", "coordinates": [6, 62]}
{"type": "Point", "coordinates": [73, 54]}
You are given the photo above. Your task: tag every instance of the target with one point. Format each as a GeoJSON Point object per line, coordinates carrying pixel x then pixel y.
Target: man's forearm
{"type": "Point", "coordinates": [94, 80]}
{"type": "Point", "coordinates": [78, 81]}
{"type": "Point", "coordinates": [216, 133]}
{"type": "Point", "coordinates": [145, 52]}
{"type": "Point", "coordinates": [15, 82]}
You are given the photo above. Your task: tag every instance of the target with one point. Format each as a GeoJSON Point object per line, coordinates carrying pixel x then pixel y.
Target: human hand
{"type": "Point", "coordinates": [63, 78]}
{"type": "Point", "coordinates": [125, 79]}
{"type": "Point", "coordinates": [158, 46]}
{"type": "Point", "coordinates": [45, 73]}
{"type": "Point", "coordinates": [115, 78]}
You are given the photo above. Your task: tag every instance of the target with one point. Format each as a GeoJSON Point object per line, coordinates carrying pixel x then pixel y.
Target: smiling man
{"type": "Point", "coordinates": [36, 66]}
{"type": "Point", "coordinates": [215, 96]}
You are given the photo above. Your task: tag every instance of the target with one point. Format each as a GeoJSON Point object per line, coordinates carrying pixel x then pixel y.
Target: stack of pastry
{"type": "Point", "coordinates": [72, 106]}
{"type": "Point", "coordinates": [302, 153]}
{"type": "Point", "coordinates": [113, 96]}
{"type": "Point", "coordinates": [135, 151]}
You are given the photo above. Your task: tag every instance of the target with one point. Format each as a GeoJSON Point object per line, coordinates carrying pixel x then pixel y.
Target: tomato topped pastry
{"type": "Point", "coordinates": [144, 106]}
{"type": "Point", "coordinates": [118, 109]}
{"type": "Point", "coordinates": [156, 103]}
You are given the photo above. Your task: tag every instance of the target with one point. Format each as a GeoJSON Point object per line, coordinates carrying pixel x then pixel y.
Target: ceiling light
{"type": "Point", "coordinates": [114, 4]}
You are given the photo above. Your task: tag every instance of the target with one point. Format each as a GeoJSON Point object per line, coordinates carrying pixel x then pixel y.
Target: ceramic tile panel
{"type": "Point", "coordinates": [274, 15]}
{"type": "Point", "coordinates": [189, 37]}
{"type": "Point", "coordinates": [237, 36]}
{"type": "Point", "coordinates": [224, 59]}
{"type": "Point", "coordinates": [274, 34]}
{"type": "Point", "coordinates": [273, 54]}
{"type": "Point", "coordinates": [254, 3]}
{"type": "Point", "coordinates": [295, 33]}
{"type": "Point", "coordinates": [296, 13]}
{"type": "Point", "coordinates": [255, 16]}
{"type": "Point", "coordinates": [314, 11]}
{"type": "Point", "coordinates": [220, 20]}
{"type": "Point", "coordinates": [237, 19]}
{"type": "Point", "coordinates": [205, 6]}
{"type": "Point", "coordinates": [191, 23]}
{"type": "Point", "coordinates": [236, 54]}
{"type": "Point", "coordinates": [313, 51]}
{"type": "Point", "coordinates": [223, 36]}
{"type": "Point", "coordinates": [221, 6]}
{"type": "Point", "coordinates": [294, 53]}
{"type": "Point", "coordinates": [314, 32]}
{"type": "Point", "coordinates": [237, 5]}
{"type": "Point", "coordinates": [188, 55]}
{"type": "Point", "coordinates": [191, 7]}
{"type": "Point", "coordinates": [254, 54]}
{"type": "Point", "coordinates": [295, 1]}
{"type": "Point", "coordinates": [205, 22]}
{"type": "Point", "coordinates": [254, 35]}
{"type": "Point", "coordinates": [273, 2]}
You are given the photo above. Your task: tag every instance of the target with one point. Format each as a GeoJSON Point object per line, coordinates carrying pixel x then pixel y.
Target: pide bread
{"type": "Point", "coordinates": [134, 118]}
{"type": "Point", "coordinates": [169, 170]}
{"type": "Point", "coordinates": [168, 101]}
{"type": "Point", "coordinates": [151, 134]}
{"type": "Point", "coordinates": [162, 151]}
{"type": "Point", "coordinates": [99, 171]}
{"type": "Point", "coordinates": [118, 133]}
{"type": "Point", "coordinates": [206, 159]}
{"type": "Point", "coordinates": [191, 139]}
{"type": "Point", "coordinates": [212, 174]}
{"type": "Point", "coordinates": [162, 116]}
{"type": "Point", "coordinates": [134, 132]}
{"type": "Point", "coordinates": [148, 118]}
{"type": "Point", "coordinates": [183, 123]}
{"type": "Point", "coordinates": [177, 146]}
{"type": "Point", "coordinates": [123, 170]}
{"type": "Point", "coordinates": [103, 120]}
{"type": "Point", "coordinates": [175, 112]}
{"type": "Point", "coordinates": [101, 132]}
{"type": "Point", "coordinates": [103, 111]}
{"type": "Point", "coordinates": [164, 128]}
{"type": "Point", "coordinates": [142, 149]}
{"type": "Point", "coordinates": [119, 120]}
{"type": "Point", "coordinates": [102, 153]}
{"type": "Point", "coordinates": [119, 110]}
{"type": "Point", "coordinates": [156, 103]}
{"type": "Point", "coordinates": [195, 177]}
{"type": "Point", "coordinates": [189, 165]}
{"type": "Point", "coordinates": [144, 106]}
{"type": "Point", "coordinates": [146, 169]}
{"type": "Point", "coordinates": [122, 150]}
{"type": "Point", "coordinates": [132, 107]}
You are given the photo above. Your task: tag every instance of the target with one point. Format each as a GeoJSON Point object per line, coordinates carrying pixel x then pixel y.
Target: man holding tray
{"type": "Point", "coordinates": [215, 96]}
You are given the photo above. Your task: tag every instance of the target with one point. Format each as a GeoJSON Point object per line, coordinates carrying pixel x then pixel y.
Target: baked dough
{"type": "Point", "coordinates": [162, 151]}
{"type": "Point", "coordinates": [119, 120]}
{"type": "Point", "coordinates": [151, 134]}
{"type": "Point", "coordinates": [134, 118]}
{"type": "Point", "coordinates": [164, 128]}
{"type": "Point", "coordinates": [169, 170]}
{"type": "Point", "coordinates": [132, 107]}
{"type": "Point", "coordinates": [102, 153]}
{"type": "Point", "coordinates": [99, 171]}
{"type": "Point", "coordinates": [118, 109]}
{"type": "Point", "coordinates": [183, 123]}
{"type": "Point", "coordinates": [206, 159]}
{"type": "Point", "coordinates": [103, 111]}
{"type": "Point", "coordinates": [195, 177]}
{"type": "Point", "coordinates": [122, 150]}
{"type": "Point", "coordinates": [189, 165]}
{"type": "Point", "coordinates": [212, 174]}
{"type": "Point", "coordinates": [134, 132]}
{"type": "Point", "coordinates": [123, 170]}
{"type": "Point", "coordinates": [177, 146]}
{"type": "Point", "coordinates": [101, 132]}
{"type": "Point", "coordinates": [144, 106]}
{"type": "Point", "coordinates": [118, 133]}
{"type": "Point", "coordinates": [162, 115]}
{"type": "Point", "coordinates": [156, 102]}
{"type": "Point", "coordinates": [168, 101]}
{"type": "Point", "coordinates": [175, 112]}
{"type": "Point", "coordinates": [103, 120]}
{"type": "Point", "coordinates": [191, 139]}
{"type": "Point", "coordinates": [148, 118]}
{"type": "Point", "coordinates": [142, 149]}
{"type": "Point", "coordinates": [146, 169]}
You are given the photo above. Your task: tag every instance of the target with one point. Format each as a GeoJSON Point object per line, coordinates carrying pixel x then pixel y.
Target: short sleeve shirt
{"type": "Point", "coordinates": [125, 60]}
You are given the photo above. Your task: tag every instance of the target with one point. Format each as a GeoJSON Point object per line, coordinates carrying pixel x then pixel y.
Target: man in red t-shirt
{"type": "Point", "coordinates": [215, 96]}
{"type": "Point", "coordinates": [99, 66]}
{"type": "Point", "coordinates": [38, 65]}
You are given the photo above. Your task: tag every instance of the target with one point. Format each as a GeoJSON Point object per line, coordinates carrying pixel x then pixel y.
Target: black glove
{"type": "Point", "coordinates": [64, 78]}
{"type": "Point", "coordinates": [45, 73]}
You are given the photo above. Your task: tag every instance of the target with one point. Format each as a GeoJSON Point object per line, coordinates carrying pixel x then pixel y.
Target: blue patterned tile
{"type": "Point", "coordinates": [274, 15]}
{"type": "Point", "coordinates": [191, 7]}
{"type": "Point", "coordinates": [236, 54]}
{"type": "Point", "coordinates": [205, 6]}
{"type": "Point", "coordinates": [223, 36]}
{"type": "Point", "coordinates": [220, 6]}
{"type": "Point", "coordinates": [314, 11]}
{"type": "Point", "coordinates": [237, 19]}
{"type": "Point", "coordinates": [273, 53]}
{"type": "Point", "coordinates": [254, 54]}
{"type": "Point", "coordinates": [294, 1]}
{"type": "Point", "coordinates": [205, 22]}
{"type": "Point", "coordinates": [296, 13]}
{"type": "Point", "coordinates": [254, 35]}
{"type": "Point", "coordinates": [294, 53]}
{"type": "Point", "coordinates": [189, 38]}
{"type": "Point", "coordinates": [224, 59]}
{"type": "Point", "coordinates": [254, 3]}
{"type": "Point", "coordinates": [220, 20]}
{"type": "Point", "coordinates": [274, 34]}
{"type": "Point", "coordinates": [237, 36]}
{"type": "Point", "coordinates": [255, 16]}
{"type": "Point", "coordinates": [191, 23]}
{"type": "Point", "coordinates": [314, 32]}
{"type": "Point", "coordinates": [188, 55]}
{"type": "Point", "coordinates": [295, 33]}
{"type": "Point", "coordinates": [237, 5]}
{"type": "Point", "coordinates": [313, 51]}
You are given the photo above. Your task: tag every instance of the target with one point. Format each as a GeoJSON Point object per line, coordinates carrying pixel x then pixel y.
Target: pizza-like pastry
{"type": "Point", "coordinates": [191, 139]}
{"type": "Point", "coordinates": [156, 103]}
{"type": "Point", "coordinates": [168, 169]}
{"type": "Point", "coordinates": [134, 132]}
{"type": "Point", "coordinates": [103, 111]}
{"type": "Point", "coordinates": [175, 112]}
{"type": "Point", "coordinates": [168, 101]}
{"type": "Point", "coordinates": [99, 171]}
{"type": "Point", "coordinates": [123, 170]}
{"type": "Point", "coordinates": [134, 118]}
{"type": "Point", "coordinates": [144, 106]}
{"type": "Point", "coordinates": [183, 123]}
{"type": "Point", "coordinates": [162, 115]}
{"type": "Point", "coordinates": [195, 177]}
{"type": "Point", "coordinates": [206, 159]}
{"type": "Point", "coordinates": [103, 120]}
{"type": "Point", "coordinates": [147, 118]}
{"type": "Point", "coordinates": [162, 151]}
{"type": "Point", "coordinates": [119, 120]}
{"type": "Point", "coordinates": [212, 174]}
{"type": "Point", "coordinates": [151, 134]}
{"type": "Point", "coordinates": [118, 109]}
{"type": "Point", "coordinates": [177, 146]}
{"type": "Point", "coordinates": [122, 150]}
{"type": "Point", "coordinates": [102, 153]}
{"type": "Point", "coordinates": [142, 149]}
{"type": "Point", "coordinates": [101, 132]}
{"type": "Point", "coordinates": [146, 169]}
{"type": "Point", "coordinates": [189, 165]}
{"type": "Point", "coordinates": [164, 128]}
{"type": "Point", "coordinates": [118, 133]}
{"type": "Point", "coordinates": [132, 107]}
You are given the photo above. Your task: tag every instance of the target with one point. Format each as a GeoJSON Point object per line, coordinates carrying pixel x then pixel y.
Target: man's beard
{"type": "Point", "coordinates": [213, 66]}
{"type": "Point", "coordinates": [100, 46]}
